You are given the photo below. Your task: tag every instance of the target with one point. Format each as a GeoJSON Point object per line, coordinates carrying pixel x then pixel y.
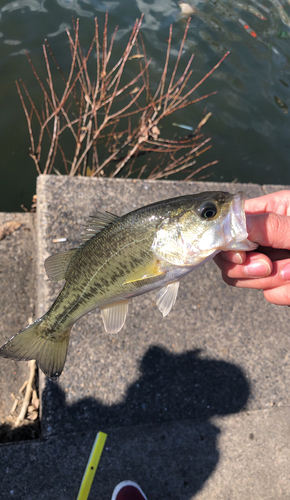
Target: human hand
{"type": "Point", "coordinates": [268, 268]}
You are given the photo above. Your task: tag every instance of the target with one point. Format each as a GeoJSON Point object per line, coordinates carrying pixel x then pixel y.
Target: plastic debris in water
{"type": "Point", "coordinates": [251, 9]}
{"type": "Point", "coordinates": [180, 125]}
{"type": "Point", "coordinates": [248, 28]}
{"type": "Point", "coordinates": [281, 104]}
{"type": "Point", "coordinates": [186, 8]}
{"type": "Point", "coordinates": [256, 13]}
{"type": "Point", "coordinates": [283, 34]}
{"type": "Point", "coordinates": [284, 16]}
{"type": "Point", "coordinates": [261, 6]}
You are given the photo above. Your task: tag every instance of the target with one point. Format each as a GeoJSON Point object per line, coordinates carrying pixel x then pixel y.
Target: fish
{"type": "Point", "coordinates": [152, 247]}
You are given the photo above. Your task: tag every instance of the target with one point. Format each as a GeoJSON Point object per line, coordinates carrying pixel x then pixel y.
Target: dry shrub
{"type": "Point", "coordinates": [102, 127]}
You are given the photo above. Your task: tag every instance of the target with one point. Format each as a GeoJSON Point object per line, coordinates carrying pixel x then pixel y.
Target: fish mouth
{"type": "Point", "coordinates": [236, 230]}
{"type": "Point", "coordinates": [238, 217]}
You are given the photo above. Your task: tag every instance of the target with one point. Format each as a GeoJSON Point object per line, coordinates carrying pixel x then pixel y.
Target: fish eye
{"type": "Point", "coordinates": [208, 211]}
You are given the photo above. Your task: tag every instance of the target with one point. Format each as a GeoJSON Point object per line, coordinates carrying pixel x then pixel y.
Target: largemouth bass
{"type": "Point", "coordinates": [150, 248]}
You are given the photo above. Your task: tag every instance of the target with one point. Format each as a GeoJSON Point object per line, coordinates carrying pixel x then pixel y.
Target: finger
{"type": "Point", "coordinates": [279, 277]}
{"type": "Point", "coordinates": [256, 265]}
{"type": "Point", "coordinates": [284, 271]}
{"type": "Point", "coordinates": [279, 296]}
{"type": "Point", "coordinates": [269, 230]}
{"type": "Point", "coordinates": [278, 202]}
{"type": "Point", "coordinates": [240, 257]}
{"type": "Point", "coordinates": [252, 283]}
{"type": "Point", "coordinates": [274, 253]}
{"type": "Point", "coordinates": [234, 257]}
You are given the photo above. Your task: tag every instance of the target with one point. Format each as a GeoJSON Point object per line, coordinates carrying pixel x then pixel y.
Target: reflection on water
{"type": "Point", "coordinates": [250, 120]}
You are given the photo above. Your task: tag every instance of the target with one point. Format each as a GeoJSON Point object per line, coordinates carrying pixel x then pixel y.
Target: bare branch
{"type": "Point", "coordinates": [108, 119]}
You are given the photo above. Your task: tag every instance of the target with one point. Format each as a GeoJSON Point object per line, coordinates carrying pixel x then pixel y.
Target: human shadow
{"type": "Point", "coordinates": [169, 409]}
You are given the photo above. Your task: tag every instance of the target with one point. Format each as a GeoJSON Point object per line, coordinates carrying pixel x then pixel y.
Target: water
{"type": "Point", "coordinates": [249, 126]}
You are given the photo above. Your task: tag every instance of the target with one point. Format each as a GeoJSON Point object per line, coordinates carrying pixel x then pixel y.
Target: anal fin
{"type": "Point", "coordinates": [114, 316]}
{"type": "Point", "coordinates": [166, 297]}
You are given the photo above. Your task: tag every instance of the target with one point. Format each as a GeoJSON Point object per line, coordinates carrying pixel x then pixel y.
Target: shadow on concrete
{"type": "Point", "coordinates": [164, 428]}
{"type": "Point", "coordinates": [161, 435]}
{"type": "Point", "coordinates": [27, 431]}
{"type": "Point", "coordinates": [171, 387]}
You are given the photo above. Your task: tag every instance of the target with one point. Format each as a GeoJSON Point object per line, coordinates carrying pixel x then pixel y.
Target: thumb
{"type": "Point", "coordinates": [269, 230]}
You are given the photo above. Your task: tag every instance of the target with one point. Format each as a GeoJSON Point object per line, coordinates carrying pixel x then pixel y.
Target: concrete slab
{"type": "Point", "coordinates": [195, 405]}
{"type": "Point", "coordinates": [234, 457]}
{"type": "Point", "coordinates": [17, 301]}
{"type": "Point", "coordinates": [272, 188]}
{"type": "Point", "coordinates": [254, 457]}
{"type": "Point", "coordinates": [211, 322]}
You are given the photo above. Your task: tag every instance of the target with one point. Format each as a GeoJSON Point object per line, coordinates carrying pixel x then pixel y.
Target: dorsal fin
{"type": "Point", "coordinates": [96, 223]}
{"type": "Point", "coordinates": [56, 265]}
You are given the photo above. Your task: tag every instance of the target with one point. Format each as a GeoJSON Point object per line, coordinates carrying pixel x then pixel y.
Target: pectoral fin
{"type": "Point", "coordinates": [166, 297]}
{"type": "Point", "coordinates": [151, 271]}
{"type": "Point", "coordinates": [114, 316]}
{"type": "Point", "coordinates": [56, 265]}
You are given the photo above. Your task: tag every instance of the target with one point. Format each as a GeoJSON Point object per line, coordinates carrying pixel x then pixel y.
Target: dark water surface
{"type": "Point", "coordinates": [249, 126]}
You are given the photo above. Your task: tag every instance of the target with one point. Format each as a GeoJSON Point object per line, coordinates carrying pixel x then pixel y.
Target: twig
{"type": "Point", "coordinates": [28, 393]}
{"type": "Point", "coordinates": [200, 169]}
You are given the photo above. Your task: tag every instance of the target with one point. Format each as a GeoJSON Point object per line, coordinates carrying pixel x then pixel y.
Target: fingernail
{"type": "Point", "coordinates": [250, 223]}
{"type": "Point", "coordinates": [285, 272]}
{"type": "Point", "coordinates": [233, 257]}
{"type": "Point", "coordinates": [237, 258]}
{"type": "Point", "coordinates": [257, 269]}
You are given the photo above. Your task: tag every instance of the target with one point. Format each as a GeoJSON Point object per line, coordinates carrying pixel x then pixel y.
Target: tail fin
{"type": "Point", "coordinates": [33, 342]}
